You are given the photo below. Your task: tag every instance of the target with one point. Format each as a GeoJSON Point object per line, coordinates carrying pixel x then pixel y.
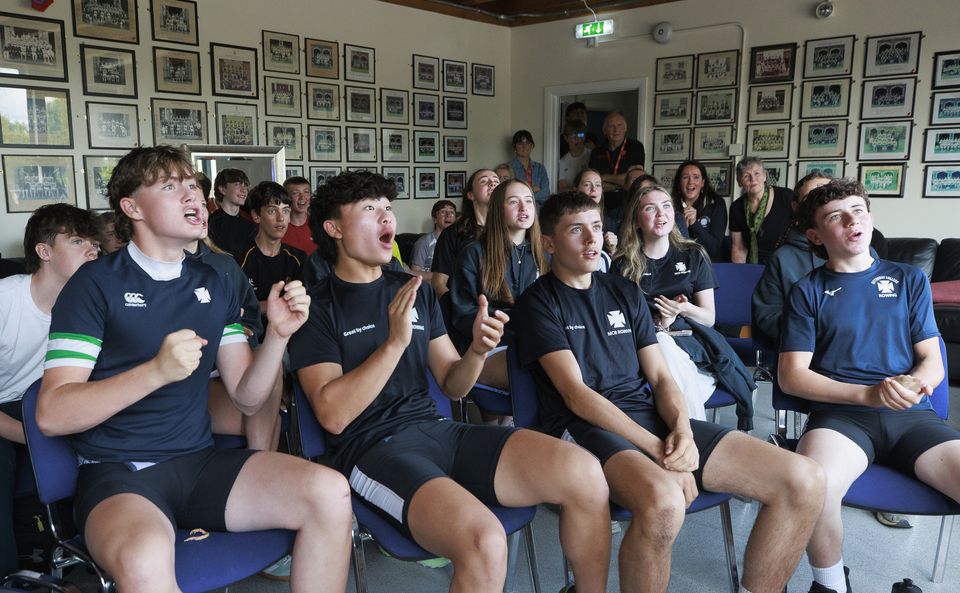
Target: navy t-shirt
{"type": "Point", "coordinates": [347, 323]}
{"type": "Point", "coordinates": [264, 271]}
{"type": "Point", "coordinates": [230, 233]}
{"type": "Point", "coordinates": [681, 271]}
{"type": "Point", "coordinates": [860, 326]}
{"type": "Point", "coordinates": [112, 316]}
{"type": "Point", "coordinates": [603, 326]}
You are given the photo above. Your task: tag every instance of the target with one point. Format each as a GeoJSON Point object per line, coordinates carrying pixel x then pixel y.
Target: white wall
{"type": "Point", "coordinates": [395, 32]}
{"type": "Point", "coordinates": [548, 55]}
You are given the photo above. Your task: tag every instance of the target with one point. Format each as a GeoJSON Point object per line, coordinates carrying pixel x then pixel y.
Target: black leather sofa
{"type": "Point", "coordinates": [941, 263]}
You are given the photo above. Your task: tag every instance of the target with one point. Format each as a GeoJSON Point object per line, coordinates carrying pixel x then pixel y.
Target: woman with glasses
{"type": "Point", "coordinates": [760, 216]}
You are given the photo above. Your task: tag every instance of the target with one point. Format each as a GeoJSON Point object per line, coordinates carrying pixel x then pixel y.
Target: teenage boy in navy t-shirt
{"type": "Point", "coordinates": [860, 342]}
{"type": "Point", "coordinates": [589, 340]}
{"type": "Point", "coordinates": [362, 360]}
{"type": "Point", "coordinates": [133, 338]}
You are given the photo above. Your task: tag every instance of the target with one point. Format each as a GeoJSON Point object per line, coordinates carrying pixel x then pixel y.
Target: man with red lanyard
{"type": "Point", "coordinates": [615, 158]}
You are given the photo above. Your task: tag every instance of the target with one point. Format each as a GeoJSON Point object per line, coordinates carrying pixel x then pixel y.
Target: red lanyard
{"type": "Point", "coordinates": [528, 171]}
{"type": "Point", "coordinates": [623, 147]}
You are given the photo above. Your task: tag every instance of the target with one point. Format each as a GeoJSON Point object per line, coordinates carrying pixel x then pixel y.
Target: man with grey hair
{"type": "Point", "coordinates": [615, 157]}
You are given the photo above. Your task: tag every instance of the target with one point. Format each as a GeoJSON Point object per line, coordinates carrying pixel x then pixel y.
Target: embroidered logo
{"type": "Point", "coordinates": [832, 292]}
{"type": "Point", "coordinates": [203, 295]}
{"type": "Point", "coordinates": [681, 267]}
{"type": "Point", "coordinates": [415, 318]}
{"type": "Point", "coordinates": [616, 319]}
{"type": "Point", "coordinates": [134, 299]}
{"type": "Point", "coordinates": [886, 286]}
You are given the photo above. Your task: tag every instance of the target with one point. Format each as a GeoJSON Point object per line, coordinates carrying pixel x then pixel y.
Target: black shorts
{"type": "Point", "coordinates": [892, 438]}
{"type": "Point", "coordinates": [191, 490]}
{"type": "Point", "coordinates": [605, 444]}
{"type": "Point", "coordinates": [390, 472]}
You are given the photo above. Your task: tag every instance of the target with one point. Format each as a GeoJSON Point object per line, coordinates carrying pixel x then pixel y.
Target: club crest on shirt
{"type": "Point", "coordinates": [618, 322]}
{"type": "Point", "coordinates": [203, 295]}
{"type": "Point", "coordinates": [886, 287]}
{"type": "Point", "coordinates": [681, 268]}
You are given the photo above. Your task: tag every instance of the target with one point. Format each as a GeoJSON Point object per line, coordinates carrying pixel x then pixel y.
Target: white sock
{"type": "Point", "coordinates": [831, 577]}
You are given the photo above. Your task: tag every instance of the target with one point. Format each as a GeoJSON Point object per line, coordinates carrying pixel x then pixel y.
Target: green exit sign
{"type": "Point", "coordinates": [594, 29]}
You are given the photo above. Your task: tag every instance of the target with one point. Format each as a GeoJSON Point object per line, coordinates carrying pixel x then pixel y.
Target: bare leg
{"type": "Point", "coordinates": [275, 490]}
{"type": "Point", "coordinates": [262, 430]}
{"type": "Point", "coordinates": [535, 468]}
{"type": "Point", "coordinates": [791, 488]}
{"type": "Point", "coordinates": [658, 508]}
{"type": "Point", "coordinates": [133, 541]}
{"type": "Point", "coordinates": [842, 461]}
{"type": "Point", "coordinates": [940, 467]}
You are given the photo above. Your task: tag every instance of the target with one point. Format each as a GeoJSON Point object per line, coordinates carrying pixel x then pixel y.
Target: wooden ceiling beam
{"type": "Point", "coordinates": [521, 12]}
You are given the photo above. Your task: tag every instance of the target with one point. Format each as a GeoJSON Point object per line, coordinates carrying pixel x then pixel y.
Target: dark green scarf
{"type": "Point", "coordinates": [755, 223]}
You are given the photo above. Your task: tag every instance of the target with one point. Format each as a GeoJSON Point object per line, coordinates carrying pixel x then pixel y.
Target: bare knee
{"type": "Point", "coordinates": [587, 486]}
{"type": "Point", "coordinates": [326, 494]}
{"type": "Point", "coordinates": [804, 483]}
{"type": "Point", "coordinates": [139, 564]}
{"type": "Point", "coordinates": [483, 553]}
{"type": "Point", "coordinates": [659, 514]}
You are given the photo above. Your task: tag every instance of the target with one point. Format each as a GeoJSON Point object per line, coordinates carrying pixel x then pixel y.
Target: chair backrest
{"type": "Point", "coordinates": [940, 399]}
{"type": "Point", "coordinates": [733, 297]}
{"type": "Point", "coordinates": [54, 461]}
{"type": "Point", "coordinates": [523, 391]}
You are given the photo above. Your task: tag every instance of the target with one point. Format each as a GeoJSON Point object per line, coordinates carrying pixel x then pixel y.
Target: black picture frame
{"type": "Point", "coordinates": [394, 106]}
{"type": "Point", "coordinates": [451, 68]}
{"type": "Point", "coordinates": [124, 116]}
{"type": "Point", "coordinates": [817, 94]}
{"type": "Point", "coordinates": [946, 60]}
{"type": "Point", "coordinates": [455, 113]}
{"type": "Point", "coordinates": [38, 124]}
{"type": "Point", "coordinates": [222, 79]}
{"type": "Point", "coordinates": [272, 65]}
{"type": "Point", "coordinates": [453, 183]}
{"type": "Point", "coordinates": [185, 11]}
{"type": "Point", "coordinates": [902, 90]}
{"type": "Point", "coordinates": [164, 70]}
{"type": "Point", "coordinates": [426, 72]}
{"type": "Point", "coordinates": [767, 66]}
{"type": "Point", "coordinates": [355, 68]}
{"type": "Point", "coordinates": [122, 86]}
{"type": "Point", "coordinates": [55, 38]}
{"type": "Point", "coordinates": [483, 79]}
{"type": "Point", "coordinates": [321, 58]}
{"type": "Point", "coordinates": [877, 50]}
{"type": "Point", "coordinates": [128, 33]}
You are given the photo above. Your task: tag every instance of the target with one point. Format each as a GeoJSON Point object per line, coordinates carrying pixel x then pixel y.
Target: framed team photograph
{"type": "Point", "coordinates": [455, 149]}
{"type": "Point", "coordinates": [888, 98]}
{"type": "Point", "coordinates": [400, 176]}
{"type": "Point", "coordinates": [455, 112]}
{"type": "Point", "coordinates": [768, 140]}
{"type": "Point", "coordinates": [672, 109]}
{"type": "Point", "coordinates": [106, 20]}
{"type": "Point", "coordinates": [671, 144]}
{"type": "Point", "coordinates": [946, 69]}
{"type": "Point", "coordinates": [281, 52]}
{"type": "Point", "coordinates": [237, 124]}
{"type": "Point", "coordinates": [770, 102]}
{"type": "Point", "coordinates": [282, 97]}
{"type": "Point", "coordinates": [426, 147]}
{"type": "Point", "coordinates": [941, 144]}
{"type": "Point", "coordinates": [941, 181]}
{"type": "Point", "coordinates": [778, 172]}
{"type": "Point", "coordinates": [719, 174]}
{"type": "Point", "coordinates": [293, 171]}
{"type": "Point", "coordinates": [712, 143]}
{"type": "Point", "coordinates": [32, 47]}
{"type": "Point", "coordinates": [395, 145]}
{"type": "Point", "coordinates": [675, 73]}
{"type": "Point", "coordinates": [426, 72]}
{"type": "Point", "coordinates": [98, 170]}
{"type": "Point", "coordinates": [359, 63]}
{"type": "Point", "coordinates": [885, 141]}
{"type": "Point", "coordinates": [825, 98]}
{"type": "Point", "coordinates": [323, 101]}
{"type": "Point", "coordinates": [175, 21]}
{"type": "Point", "coordinates": [822, 139]}
{"type": "Point", "coordinates": [832, 56]}
{"type": "Point", "coordinates": [892, 55]}
{"type": "Point", "coordinates": [361, 104]}
{"type": "Point", "coordinates": [320, 175]}
{"type": "Point", "coordinates": [721, 68]}
{"type": "Point", "coordinates": [35, 117]}
{"type": "Point", "coordinates": [113, 125]}
{"type": "Point", "coordinates": [425, 108]}
{"type": "Point", "coordinates": [108, 71]}
{"type": "Point", "coordinates": [394, 106]}
{"type": "Point", "coordinates": [454, 76]}
{"type": "Point", "coordinates": [234, 71]}
{"type": "Point", "coordinates": [945, 108]}
{"type": "Point", "coordinates": [38, 180]}
{"type": "Point", "coordinates": [454, 181]}
{"type": "Point", "coordinates": [716, 107]}
{"type": "Point", "coordinates": [287, 134]}
{"type": "Point", "coordinates": [830, 167]}
{"type": "Point", "coordinates": [665, 172]}
{"type": "Point", "coordinates": [176, 71]}
{"type": "Point", "coordinates": [484, 80]}
{"type": "Point", "coordinates": [362, 144]}
{"type": "Point", "coordinates": [324, 143]}
{"type": "Point", "coordinates": [427, 179]}
{"type": "Point", "coordinates": [773, 63]}
{"type": "Point", "coordinates": [179, 122]}
{"type": "Point", "coordinates": [882, 179]}
{"type": "Point", "coordinates": [322, 58]}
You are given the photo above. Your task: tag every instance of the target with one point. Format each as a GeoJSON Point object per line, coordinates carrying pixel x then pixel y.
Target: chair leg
{"type": "Point", "coordinates": [943, 548]}
{"type": "Point", "coordinates": [513, 549]}
{"type": "Point", "coordinates": [781, 418]}
{"type": "Point", "coordinates": [532, 557]}
{"type": "Point", "coordinates": [729, 547]}
{"type": "Point", "coordinates": [567, 570]}
{"type": "Point", "coordinates": [714, 413]}
{"type": "Point", "coordinates": [359, 560]}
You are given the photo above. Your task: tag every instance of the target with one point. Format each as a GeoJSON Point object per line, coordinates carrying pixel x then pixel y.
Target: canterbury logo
{"type": "Point", "coordinates": [134, 299]}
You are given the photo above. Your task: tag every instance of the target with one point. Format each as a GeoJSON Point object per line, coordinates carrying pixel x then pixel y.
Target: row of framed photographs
{"type": "Point", "coordinates": [424, 185]}
{"type": "Point", "coordinates": [429, 72]}
{"type": "Point", "coordinates": [706, 70]}
{"type": "Point", "coordinates": [712, 107]}
{"type": "Point", "coordinates": [325, 144]}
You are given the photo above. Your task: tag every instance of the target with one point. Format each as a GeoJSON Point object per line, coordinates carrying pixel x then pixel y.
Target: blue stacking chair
{"type": "Point", "coordinates": [201, 565]}
{"type": "Point", "coordinates": [883, 489]}
{"type": "Point", "coordinates": [370, 525]}
{"type": "Point", "coordinates": [733, 304]}
{"type": "Point", "coordinates": [526, 413]}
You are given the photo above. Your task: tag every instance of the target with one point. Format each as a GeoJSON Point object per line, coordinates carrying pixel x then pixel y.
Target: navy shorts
{"type": "Point", "coordinates": [605, 444]}
{"type": "Point", "coordinates": [390, 472]}
{"type": "Point", "coordinates": [894, 438]}
{"type": "Point", "coordinates": [191, 490]}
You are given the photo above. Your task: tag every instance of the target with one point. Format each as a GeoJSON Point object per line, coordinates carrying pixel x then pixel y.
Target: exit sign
{"type": "Point", "coordinates": [594, 29]}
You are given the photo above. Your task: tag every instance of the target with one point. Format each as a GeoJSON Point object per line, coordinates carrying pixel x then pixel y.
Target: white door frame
{"type": "Point", "coordinates": [551, 113]}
